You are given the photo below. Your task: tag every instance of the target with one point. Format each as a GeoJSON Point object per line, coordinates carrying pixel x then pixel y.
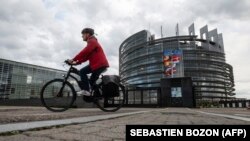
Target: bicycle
{"type": "Point", "coordinates": [59, 95]}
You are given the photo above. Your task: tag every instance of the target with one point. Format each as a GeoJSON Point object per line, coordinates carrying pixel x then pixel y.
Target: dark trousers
{"type": "Point", "coordinates": [94, 76]}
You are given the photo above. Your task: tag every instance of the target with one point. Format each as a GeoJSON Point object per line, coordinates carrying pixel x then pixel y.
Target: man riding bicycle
{"type": "Point", "coordinates": [98, 62]}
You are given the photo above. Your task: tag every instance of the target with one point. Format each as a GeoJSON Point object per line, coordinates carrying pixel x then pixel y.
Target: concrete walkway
{"type": "Point", "coordinates": [16, 114]}
{"type": "Point", "coordinates": [23, 126]}
{"type": "Point", "coordinates": [113, 129]}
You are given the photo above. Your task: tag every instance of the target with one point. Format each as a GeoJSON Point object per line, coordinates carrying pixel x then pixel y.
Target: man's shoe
{"type": "Point", "coordinates": [84, 92]}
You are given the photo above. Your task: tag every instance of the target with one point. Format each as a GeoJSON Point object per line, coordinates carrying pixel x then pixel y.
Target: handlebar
{"type": "Point", "coordinates": [67, 62]}
{"type": "Point", "coordinates": [70, 64]}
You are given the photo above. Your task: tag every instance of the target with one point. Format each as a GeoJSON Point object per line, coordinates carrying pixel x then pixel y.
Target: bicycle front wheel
{"type": "Point", "coordinates": [57, 96]}
{"type": "Point", "coordinates": [110, 104]}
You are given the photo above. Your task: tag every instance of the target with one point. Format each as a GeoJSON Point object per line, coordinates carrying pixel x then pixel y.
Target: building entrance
{"type": "Point", "coordinates": [177, 92]}
{"type": "Point", "coordinates": [176, 97]}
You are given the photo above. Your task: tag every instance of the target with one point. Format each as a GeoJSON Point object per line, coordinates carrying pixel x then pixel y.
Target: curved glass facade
{"type": "Point", "coordinates": [141, 62]}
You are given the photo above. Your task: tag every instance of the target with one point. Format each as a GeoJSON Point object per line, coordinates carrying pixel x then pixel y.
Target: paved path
{"type": "Point", "coordinates": [26, 114]}
{"type": "Point", "coordinates": [114, 129]}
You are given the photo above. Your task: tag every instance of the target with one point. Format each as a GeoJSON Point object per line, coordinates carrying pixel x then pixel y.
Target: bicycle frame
{"type": "Point", "coordinates": [75, 71]}
{"type": "Point", "coordinates": [65, 80]}
{"type": "Point", "coordinates": [72, 70]}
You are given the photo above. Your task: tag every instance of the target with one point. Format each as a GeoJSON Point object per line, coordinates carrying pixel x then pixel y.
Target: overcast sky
{"type": "Point", "coordinates": [46, 32]}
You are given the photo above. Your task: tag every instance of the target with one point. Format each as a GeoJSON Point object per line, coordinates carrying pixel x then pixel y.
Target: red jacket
{"type": "Point", "coordinates": [94, 53]}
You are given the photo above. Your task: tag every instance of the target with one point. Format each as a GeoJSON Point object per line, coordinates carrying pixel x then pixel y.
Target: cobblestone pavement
{"type": "Point", "coordinates": [244, 112]}
{"type": "Point", "coordinates": [114, 129]}
{"type": "Point", "coordinates": [26, 114]}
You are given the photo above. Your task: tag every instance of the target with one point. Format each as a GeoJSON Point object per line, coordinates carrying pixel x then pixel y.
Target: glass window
{"type": "Point", "coordinates": [176, 92]}
{"type": "Point", "coordinates": [29, 79]}
{"type": "Point", "coordinates": [146, 97]}
{"type": "Point", "coordinates": [137, 97]}
{"type": "Point", "coordinates": [131, 97]}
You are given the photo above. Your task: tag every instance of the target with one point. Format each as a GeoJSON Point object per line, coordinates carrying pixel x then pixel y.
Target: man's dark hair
{"type": "Point", "coordinates": [88, 30]}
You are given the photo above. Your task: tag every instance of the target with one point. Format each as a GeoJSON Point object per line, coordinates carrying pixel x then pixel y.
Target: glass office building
{"type": "Point", "coordinates": [143, 62]}
{"type": "Point", "coordinates": [24, 81]}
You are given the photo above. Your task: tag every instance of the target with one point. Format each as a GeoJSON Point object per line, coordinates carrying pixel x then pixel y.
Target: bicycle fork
{"type": "Point", "coordinates": [60, 94]}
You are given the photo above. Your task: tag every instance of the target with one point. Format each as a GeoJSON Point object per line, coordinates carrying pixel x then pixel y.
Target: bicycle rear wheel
{"type": "Point", "coordinates": [110, 104]}
{"type": "Point", "coordinates": [57, 96]}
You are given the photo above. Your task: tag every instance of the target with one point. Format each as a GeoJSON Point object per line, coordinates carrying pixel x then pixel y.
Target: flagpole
{"type": "Point", "coordinates": [172, 75]}
{"type": "Point", "coordinates": [177, 35]}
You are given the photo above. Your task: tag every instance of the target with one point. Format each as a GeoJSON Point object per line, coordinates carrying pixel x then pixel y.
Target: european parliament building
{"type": "Point", "coordinates": [144, 61]}
{"type": "Point", "coordinates": [23, 81]}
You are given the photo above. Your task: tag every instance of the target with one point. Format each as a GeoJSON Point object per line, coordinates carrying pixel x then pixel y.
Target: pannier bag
{"type": "Point", "coordinates": [110, 87]}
